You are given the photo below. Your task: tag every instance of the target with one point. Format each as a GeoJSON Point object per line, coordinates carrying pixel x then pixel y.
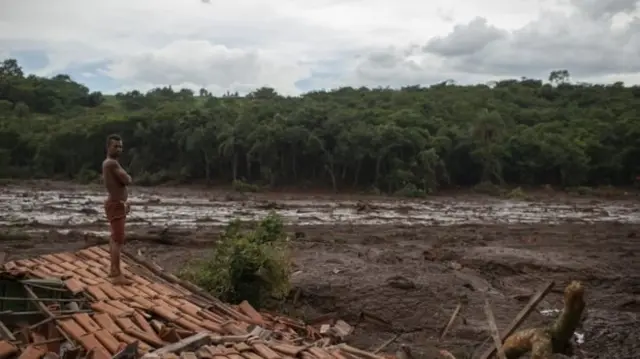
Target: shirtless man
{"type": "Point", "coordinates": [116, 206]}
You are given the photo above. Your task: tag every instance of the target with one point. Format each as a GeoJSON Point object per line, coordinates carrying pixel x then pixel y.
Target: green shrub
{"type": "Point", "coordinates": [411, 191]}
{"type": "Point", "coordinates": [248, 265]}
{"type": "Point", "coordinates": [242, 186]}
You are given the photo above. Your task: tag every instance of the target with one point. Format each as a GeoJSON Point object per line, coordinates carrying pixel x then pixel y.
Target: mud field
{"type": "Point", "coordinates": [406, 262]}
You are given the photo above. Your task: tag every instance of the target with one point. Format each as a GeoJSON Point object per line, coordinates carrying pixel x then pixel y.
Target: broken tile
{"type": "Point", "coordinates": [32, 352]}
{"type": "Point", "coordinates": [86, 253]}
{"type": "Point", "coordinates": [188, 355]}
{"type": "Point", "coordinates": [53, 259]}
{"type": "Point", "coordinates": [106, 308]}
{"type": "Point", "coordinates": [107, 340]}
{"type": "Point", "coordinates": [86, 322]}
{"type": "Point", "coordinates": [248, 310]}
{"type": "Point", "coordinates": [68, 266]}
{"type": "Point", "coordinates": [72, 328]}
{"type": "Point", "coordinates": [105, 321]}
{"type": "Point", "coordinates": [7, 349]}
{"type": "Point", "coordinates": [110, 291]}
{"type": "Point", "coordinates": [74, 285]}
{"type": "Point", "coordinates": [265, 351]}
{"type": "Point", "coordinates": [147, 304]}
{"type": "Point", "coordinates": [96, 292]}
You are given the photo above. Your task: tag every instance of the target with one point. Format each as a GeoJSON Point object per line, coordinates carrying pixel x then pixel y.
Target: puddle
{"type": "Point", "coordinates": [80, 208]}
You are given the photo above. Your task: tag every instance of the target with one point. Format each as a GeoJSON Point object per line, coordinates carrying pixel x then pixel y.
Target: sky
{"type": "Point", "coordinates": [297, 46]}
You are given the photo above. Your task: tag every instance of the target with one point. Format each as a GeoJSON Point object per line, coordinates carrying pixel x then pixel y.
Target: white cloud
{"type": "Point", "coordinates": [239, 45]}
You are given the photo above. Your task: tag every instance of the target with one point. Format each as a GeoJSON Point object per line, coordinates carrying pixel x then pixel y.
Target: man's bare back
{"type": "Point", "coordinates": [116, 207]}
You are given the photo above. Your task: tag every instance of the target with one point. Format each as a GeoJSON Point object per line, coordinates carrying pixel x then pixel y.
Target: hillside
{"type": "Point", "coordinates": [414, 139]}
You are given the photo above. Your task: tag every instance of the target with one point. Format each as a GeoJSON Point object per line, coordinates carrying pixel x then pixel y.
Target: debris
{"type": "Point", "coordinates": [157, 317]}
{"type": "Point", "coordinates": [543, 342]}
{"type": "Point", "coordinates": [494, 329]}
{"type": "Point", "coordinates": [447, 354]}
{"type": "Point", "coordinates": [386, 344]}
{"type": "Point", "coordinates": [515, 323]}
{"type": "Point", "coordinates": [191, 342]}
{"type": "Point", "coordinates": [445, 330]}
{"type": "Point", "coordinates": [400, 282]}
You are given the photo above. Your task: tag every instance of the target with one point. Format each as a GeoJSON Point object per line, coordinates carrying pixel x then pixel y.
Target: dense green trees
{"type": "Point", "coordinates": [516, 131]}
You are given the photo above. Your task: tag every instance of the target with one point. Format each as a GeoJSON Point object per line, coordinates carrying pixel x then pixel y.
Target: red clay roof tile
{"type": "Point", "coordinates": [247, 309]}
{"type": "Point", "coordinates": [92, 344]}
{"type": "Point", "coordinates": [74, 285]}
{"type": "Point", "coordinates": [66, 256]}
{"type": "Point", "coordinates": [107, 308]}
{"type": "Point", "coordinates": [265, 351]}
{"type": "Point", "coordinates": [26, 263]}
{"type": "Point", "coordinates": [98, 271]}
{"type": "Point", "coordinates": [96, 292]}
{"type": "Point", "coordinates": [53, 259]}
{"type": "Point", "coordinates": [105, 321]}
{"type": "Point", "coordinates": [87, 253]}
{"type": "Point", "coordinates": [80, 264]}
{"type": "Point", "coordinates": [178, 313]}
{"type": "Point", "coordinates": [110, 291]}
{"type": "Point", "coordinates": [86, 322]}
{"type": "Point", "coordinates": [72, 328]}
{"type": "Point", "coordinates": [7, 349]}
{"type": "Point", "coordinates": [32, 352]}
{"type": "Point", "coordinates": [107, 340]}
{"type": "Point", "coordinates": [68, 266]}
{"type": "Point", "coordinates": [148, 291]}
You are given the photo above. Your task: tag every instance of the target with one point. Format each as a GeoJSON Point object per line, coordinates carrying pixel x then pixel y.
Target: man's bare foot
{"type": "Point", "coordinates": [113, 274]}
{"type": "Point", "coordinates": [121, 280]}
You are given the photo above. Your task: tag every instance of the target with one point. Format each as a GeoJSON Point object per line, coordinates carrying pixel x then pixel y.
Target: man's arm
{"type": "Point", "coordinates": [120, 174]}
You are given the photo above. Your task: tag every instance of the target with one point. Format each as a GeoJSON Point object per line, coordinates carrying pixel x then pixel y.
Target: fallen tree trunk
{"type": "Point", "coordinates": [543, 342]}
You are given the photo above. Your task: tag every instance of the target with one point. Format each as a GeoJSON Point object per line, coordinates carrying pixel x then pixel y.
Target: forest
{"type": "Point", "coordinates": [416, 139]}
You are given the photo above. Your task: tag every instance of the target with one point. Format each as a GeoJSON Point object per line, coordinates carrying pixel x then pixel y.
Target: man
{"type": "Point", "coordinates": [116, 206]}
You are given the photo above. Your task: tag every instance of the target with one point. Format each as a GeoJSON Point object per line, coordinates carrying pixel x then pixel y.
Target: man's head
{"type": "Point", "coordinates": [114, 146]}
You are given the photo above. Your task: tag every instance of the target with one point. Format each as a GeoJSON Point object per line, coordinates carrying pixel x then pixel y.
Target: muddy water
{"type": "Point", "coordinates": [82, 208]}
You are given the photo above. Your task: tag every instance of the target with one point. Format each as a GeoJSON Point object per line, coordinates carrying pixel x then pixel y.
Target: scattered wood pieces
{"type": "Point", "coordinates": [493, 328]}
{"type": "Point", "coordinates": [517, 321]}
{"type": "Point", "coordinates": [543, 342]}
{"type": "Point", "coordinates": [386, 344]}
{"type": "Point", "coordinates": [447, 354]}
{"type": "Point", "coordinates": [194, 341]}
{"type": "Point", "coordinates": [445, 330]}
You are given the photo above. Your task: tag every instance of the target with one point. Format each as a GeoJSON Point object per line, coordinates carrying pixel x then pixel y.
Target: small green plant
{"type": "Point", "coordinates": [517, 194]}
{"type": "Point", "coordinates": [242, 186]}
{"type": "Point", "coordinates": [250, 265]}
{"type": "Point", "coordinates": [411, 191]}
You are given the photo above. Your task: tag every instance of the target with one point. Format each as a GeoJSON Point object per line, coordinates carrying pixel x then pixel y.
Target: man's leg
{"type": "Point", "coordinates": [117, 242]}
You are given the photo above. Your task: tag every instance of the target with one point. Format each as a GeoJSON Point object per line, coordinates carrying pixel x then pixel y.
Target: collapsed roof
{"type": "Point", "coordinates": [63, 305]}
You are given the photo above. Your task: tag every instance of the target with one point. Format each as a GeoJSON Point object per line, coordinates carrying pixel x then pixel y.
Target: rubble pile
{"type": "Point", "coordinates": [64, 306]}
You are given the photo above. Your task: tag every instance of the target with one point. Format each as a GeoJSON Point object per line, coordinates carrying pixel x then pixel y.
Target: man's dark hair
{"type": "Point", "coordinates": [113, 137]}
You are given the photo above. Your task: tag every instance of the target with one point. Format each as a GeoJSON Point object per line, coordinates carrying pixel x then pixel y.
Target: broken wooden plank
{"type": "Point", "coordinates": [386, 344]}
{"type": "Point", "coordinates": [194, 341]}
{"type": "Point", "coordinates": [515, 323]}
{"type": "Point", "coordinates": [493, 328]}
{"type": "Point", "coordinates": [445, 330]}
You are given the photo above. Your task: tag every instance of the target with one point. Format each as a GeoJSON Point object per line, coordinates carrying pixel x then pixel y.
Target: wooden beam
{"type": "Point", "coordinates": [493, 328]}
{"type": "Point", "coordinates": [519, 319]}
{"type": "Point", "coordinates": [194, 341]}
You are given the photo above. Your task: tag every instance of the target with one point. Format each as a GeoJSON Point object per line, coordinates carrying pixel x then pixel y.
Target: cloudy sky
{"type": "Point", "coordinates": [295, 45]}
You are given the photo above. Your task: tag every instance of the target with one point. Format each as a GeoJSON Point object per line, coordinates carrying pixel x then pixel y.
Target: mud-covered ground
{"type": "Point", "coordinates": [351, 258]}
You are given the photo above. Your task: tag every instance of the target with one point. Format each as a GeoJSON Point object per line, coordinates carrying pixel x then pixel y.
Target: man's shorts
{"type": "Point", "coordinates": [116, 212]}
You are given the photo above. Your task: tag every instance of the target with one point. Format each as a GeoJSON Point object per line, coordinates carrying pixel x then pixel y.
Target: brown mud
{"type": "Point", "coordinates": [406, 262]}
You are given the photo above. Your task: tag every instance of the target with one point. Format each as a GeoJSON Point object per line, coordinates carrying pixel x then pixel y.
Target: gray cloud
{"type": "Point", "coordinates": [584, 45]}
{"type": "Point", "coordinates": [291, 45]}
{"type": "Point", "coordinates": [598, 9]}
{"type": "Point", "coordinates": [465, 39]}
